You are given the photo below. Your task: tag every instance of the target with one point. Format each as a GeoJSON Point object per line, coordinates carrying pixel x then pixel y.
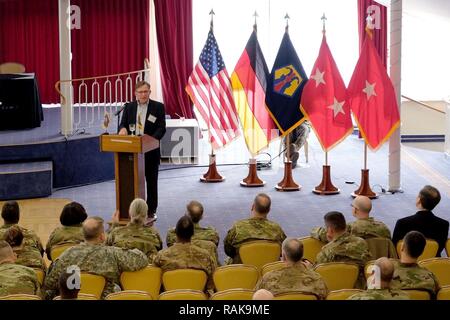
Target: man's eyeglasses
{"type": "Point", "coordinates": [143, 92]}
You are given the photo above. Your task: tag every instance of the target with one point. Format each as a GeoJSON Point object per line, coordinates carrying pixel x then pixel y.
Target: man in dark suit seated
{"type": "Point", "coordinates": [424, 220]}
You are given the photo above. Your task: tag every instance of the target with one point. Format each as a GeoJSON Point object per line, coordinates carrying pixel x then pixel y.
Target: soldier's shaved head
{"type": "Point", "coordinates": [93, 228]}
{"type": "Point", "coordinates": [262, 204]}
{"type": "Point", "coordinates": [138, 211]}
{"type": "Point", "coordinates": [386, 269]}
{"type": "Point", "coordinates": [6, 252]}
{"type": "Point", "coordinates": [195, 210]}
{"type": "Point", "coordinates": [262, 294]}
{"type": "Point", "coordinates": [292, 249]}
{"type": "Point", "coordinates": [362, 204]}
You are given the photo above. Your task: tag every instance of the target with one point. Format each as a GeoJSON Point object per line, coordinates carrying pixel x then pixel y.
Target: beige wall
{"type": "Point", "coordinates": [417, 119]}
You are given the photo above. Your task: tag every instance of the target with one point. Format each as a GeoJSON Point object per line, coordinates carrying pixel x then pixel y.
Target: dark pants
{"type": "Point", "coordinates": [152, 160]}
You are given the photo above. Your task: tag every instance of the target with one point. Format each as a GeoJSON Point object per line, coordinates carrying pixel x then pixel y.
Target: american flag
{"type": "Point", "coordinates": [209, 87]}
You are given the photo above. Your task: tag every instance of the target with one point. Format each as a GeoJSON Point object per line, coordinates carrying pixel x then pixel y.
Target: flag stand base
{"type": "Point", "coordinates": [212, 175]}
{"type": "Point", "coordinates": [287, 184]}
{"type": "Point", "coordinates": [326, 187]}
{"type": "Point", "coordinates": [364, 189]}
{"type": "Point", "coordinates": [252, 179]}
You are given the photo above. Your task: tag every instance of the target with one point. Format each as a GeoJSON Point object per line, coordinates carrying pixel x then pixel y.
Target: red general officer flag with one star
{"type": "Point", "coordinates": [324, 100]}
{"type": "Point", "coordinates": [372, 97]}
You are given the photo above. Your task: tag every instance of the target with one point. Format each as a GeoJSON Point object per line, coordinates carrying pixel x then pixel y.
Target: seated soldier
{"type": "Point", "coordinates": [342, 246]}
{"type": "Point", "coordinates": [295, 276]}
{"type": "Point", "coordinates": [69, 285]}
{"type": "Point", "coordinates": [135, 234]}
{"type": "Point", "coordinates": [26, 256]}
{"type": "Point", "coordinates": [257, 227]}
{"type": "Point", "coordinates": [185, 255]}
{"type": "Point", "coordinates": [15, 278]}
{"type": "Point", "coordinates": [72, 216]}
{"type": "Point", "coordinates": [382, 289]}
{"type": "Point", "coordinates": [94, 257]}
{"type": "Point", "coordinates": [408, 274]}
{"type": "Point", "coordinates": [11, 217]}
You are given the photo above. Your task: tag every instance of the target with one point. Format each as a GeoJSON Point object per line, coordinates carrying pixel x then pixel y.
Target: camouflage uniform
{"type": "Point", "coordinates": [30, 257]}
{"type": "Point", "coordinates": [16, 279]}
{"type": "Point", "coordinates": [210, 247]}
{"type": "Point", "coordinates": [200, 233]}
{"type": "Point", "coordinates": [296, 277]}
{"type": "Point", "coordinates": [346, 248]}
{"type": "Point", "coordinates": [99, 259]}
{"type": "Point", "coordinates": [412, 276]}
{"type": "Point", "coordinates": [248, 230]}
{"type": "Point", "coordinates": [146, 239]}
{"type": "Point", "coordinates": [186, 256]}
{"type": "Point", "coordinates": [63, 235]}
{"type": "Point", "coordinates": [380, 294]}
{"type": "Point", "coordinates": [30, 238]}
{"type": "Point", "coordinates": [363, 228]}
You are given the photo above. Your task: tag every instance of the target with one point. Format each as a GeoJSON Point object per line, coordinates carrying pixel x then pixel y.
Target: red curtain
{"type": "Point", "coordinates": [29, 35]}
{"type": "Point", "coordinates": [113, 38]}
{"type": "Point", "coordinates": [174, 29]}
{"type": "Point", "coordinates": [379, 35]}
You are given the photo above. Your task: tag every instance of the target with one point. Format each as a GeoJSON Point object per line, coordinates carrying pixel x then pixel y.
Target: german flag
{"type": "Point", "coordinates": [249, 83]}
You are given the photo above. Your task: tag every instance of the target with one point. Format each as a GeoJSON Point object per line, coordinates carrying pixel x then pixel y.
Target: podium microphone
{"type": "Point", "coordinates": [120, 110]}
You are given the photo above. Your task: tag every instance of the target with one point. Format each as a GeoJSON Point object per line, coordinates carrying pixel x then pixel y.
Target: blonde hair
{"type": "Point", "coordinates": [138, 210]}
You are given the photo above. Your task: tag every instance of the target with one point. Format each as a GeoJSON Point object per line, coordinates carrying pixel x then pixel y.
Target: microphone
{"type": "Point", "coordinates": [181, 117]}
{"type": "Point", "coordinates": [120, 110]}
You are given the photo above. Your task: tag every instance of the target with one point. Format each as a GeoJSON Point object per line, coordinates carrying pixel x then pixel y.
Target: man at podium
{"type": "Point", "coordinates": [146, 116]}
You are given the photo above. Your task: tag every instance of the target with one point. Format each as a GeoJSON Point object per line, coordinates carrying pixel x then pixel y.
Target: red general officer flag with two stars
{"type": "Point", "coordinates": [372, 97]}
{"type": "Point", "coordinates": [324, 100]}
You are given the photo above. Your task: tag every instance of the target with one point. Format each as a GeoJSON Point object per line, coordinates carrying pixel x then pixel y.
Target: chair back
{"type": "Point", "coordinates": [20, 296]}
{"type": "Point", "coordinates": [430, 251]}
{"type": "Point", "coordinates": [59, 249]}
{"type": "Point", "coordinates": [295, 295]}
{"type": "Point", "coordinates": [11, 67]}
{"type": "Point", "coordinates": [129, 295]}
{"type": "Point", "coordinates": [381, 247]}
{"type": "Point", "coordinates": [183, 294]}
{"type": "Point", "coordinates": [40, 275]}
{"type": "Point", "coordinates": [259, 252]}
{"type": "Point", "coordinates": [443, 293]}
{"type": "Point", "coordinates": [184, 279]}
{"type": "Point", "coordinates": [417, 294]}
{"type": "Point", "coordinates": [342, 294]}
{"type": "Point", "coordinates": [272, 266]}
{"type": "Point", "coordinates": [92, 284]}
{"type": "Point", "coordinates": [147, 280]}
{"type": "Point", "coordinates": [311, 247]}
{"type": "Point", "coordinates": [338, 275]}
{"type": "Point", "coordinates": [233, 294]}
{"type": "Point", "coordinates": [440, 267]}
{"type": "Point", "coordinates": [81, 296]}
{"type": "Point", "coordinates": [235, 276]}
{"type": "Point", "coordinates": [447, 247]}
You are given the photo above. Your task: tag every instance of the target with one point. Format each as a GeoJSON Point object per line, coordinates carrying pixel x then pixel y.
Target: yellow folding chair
{"type": "Point", "coordinates": [183, 294]}
{"type": "Point", "coordinates": [311, 247]}
{"type": "Point", "coordinates": [233, 294]}
{"type": "Point", "coordinates": [430, 250]}
{"type": "Point", "coordinates": [184, 279]}
{"type": "Point", "coordinates": [235, 276]}
{"type": "Point", "coordinates": [443, 293]}
{"type": "Point", "coordinates": [259, 252]}
{"type": "Point", "coordinates": [295, 295]}
{"type": "Point", "coordinates": [40, 275]}
{"type": "Point", "coordinates": [92, 284]}
{"type": "Point", "coordinates": [447, 247]}
{"type": "Point", "coordinates": [129, 295]}
{"type": "Point", "coordinates": [440, 267]}
{"type": "Point", "coordinates": [147, 279]}
{"type": "Point", "coordinates": [81, 296]}
{"type": "Point", "coordinates": [417, 294]}
{"type": "Point", "coordinates": [272, 266]}
{"type": "Point", "coordinates": [342, 294]}
{"type": "Point", "coordinates": [20, 296]}
{"type": "Point", "coordinates": [59, 249]}
{"type": "Point", "coordinates": [338, 275]}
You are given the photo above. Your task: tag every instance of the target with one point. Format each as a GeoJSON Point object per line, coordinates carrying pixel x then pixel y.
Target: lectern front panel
{"type": "Point", "coordinates": [126, 183]}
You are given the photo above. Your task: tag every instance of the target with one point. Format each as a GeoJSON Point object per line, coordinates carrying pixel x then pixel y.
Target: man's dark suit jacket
{"type": "Point", "coordinates": [155, 129]}
{"type": "Point", "coordinates": [425, 222]}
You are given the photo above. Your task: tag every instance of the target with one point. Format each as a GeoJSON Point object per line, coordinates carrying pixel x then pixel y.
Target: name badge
{"type": "Point", "coordinates": [151, 118]}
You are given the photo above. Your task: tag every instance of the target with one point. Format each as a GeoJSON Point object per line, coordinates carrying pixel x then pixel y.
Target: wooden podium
{"type": "Point", "coordinates": [129, 167]}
